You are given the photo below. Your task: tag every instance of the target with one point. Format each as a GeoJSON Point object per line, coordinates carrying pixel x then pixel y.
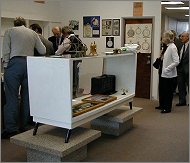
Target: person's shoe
{"type": "Point", "coordinates": [7, 135]}
{"type": "Point", "coordinates": [158, 107]}
{"type": "Point", "coordinates": [165, 111]}
{"type": "Point", "coordinates": [181, 104]}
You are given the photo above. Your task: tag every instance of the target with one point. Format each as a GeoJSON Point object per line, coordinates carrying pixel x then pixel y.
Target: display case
{"type": "Point", "coordinates": [50, 83]}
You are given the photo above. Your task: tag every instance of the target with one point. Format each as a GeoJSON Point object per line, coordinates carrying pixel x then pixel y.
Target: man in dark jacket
{"type": "Point", "coordinates": [47, 43]}
{"type": "Point", "coordinates": [183, 70]}
{"type": "Point", "coordinates": [57, 37]}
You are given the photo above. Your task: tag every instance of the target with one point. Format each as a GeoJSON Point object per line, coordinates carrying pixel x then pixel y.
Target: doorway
{"type": "Point", "coordinates": [139, 31]}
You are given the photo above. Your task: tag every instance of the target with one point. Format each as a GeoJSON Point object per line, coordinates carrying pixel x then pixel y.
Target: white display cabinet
{"type": "Point", "coordinates": [50, 87]}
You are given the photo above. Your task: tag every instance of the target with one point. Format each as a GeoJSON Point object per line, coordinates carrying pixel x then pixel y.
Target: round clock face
{"type": "Point", "coordinates": [138, 31]}
{"type": "Point", "coordinates": [110, 43]}
{"type": "Point", "coordinates": [131, 33]}
{"type": "Point", "coordinates": [145, 46]}
{"type": "Point", "coordinates": [146, 32]}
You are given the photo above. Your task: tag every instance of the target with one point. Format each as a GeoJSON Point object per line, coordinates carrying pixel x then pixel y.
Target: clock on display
{"type": "Point", "coordinates": [138, 31]}
{"type": "Point", "coordinates": [146, 32]}
{"type": "Point", "coordinates": [109, 42]}
{"type": "Point", "coordinates": [131, 32]}
{"type": "Point", "coordinates": [145, 45]}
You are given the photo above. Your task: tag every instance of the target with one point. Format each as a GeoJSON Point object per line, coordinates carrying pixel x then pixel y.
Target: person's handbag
{"type": "Point", "coordinates": [157, 63]}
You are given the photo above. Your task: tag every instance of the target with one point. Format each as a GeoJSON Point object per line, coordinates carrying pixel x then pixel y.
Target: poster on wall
{"type": "Point", "coordinates": [140, 34]}
{"type": "Point", "coordinates": [109, 42]}
{"type": "Point", "coordinates": [106, 27]}
{"type": "Point", "coordinates": [74, 24]}
{"type": "Point", "coordinates": [91, 26]}
{"type": "Point", "coordinates": [137, 8]}
{"type": "Point", "coordinates": [116, 27]}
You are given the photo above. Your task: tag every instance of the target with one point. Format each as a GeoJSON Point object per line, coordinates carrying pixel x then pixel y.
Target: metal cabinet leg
{"type": "Point", "coordinates": [68, 134]}
{"type": "Point", "coordinates": [36, 128]}
{"type": "Point", "coordinates": [130, 105]}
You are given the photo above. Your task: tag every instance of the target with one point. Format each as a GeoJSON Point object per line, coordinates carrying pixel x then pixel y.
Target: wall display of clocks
{"type": "Point", "coordinates": [139, 34]}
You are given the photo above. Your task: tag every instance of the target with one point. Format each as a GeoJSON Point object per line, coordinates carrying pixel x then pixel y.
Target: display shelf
{"type": "Point", "coordinates": [50, 86]}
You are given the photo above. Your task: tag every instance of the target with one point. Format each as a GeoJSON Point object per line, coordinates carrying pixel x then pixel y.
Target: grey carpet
{"type": "Point", "coordinates": [155, 137]}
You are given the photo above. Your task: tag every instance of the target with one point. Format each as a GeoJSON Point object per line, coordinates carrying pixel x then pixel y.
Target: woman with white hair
{"type": "Point", "coordinates": [169, 72]}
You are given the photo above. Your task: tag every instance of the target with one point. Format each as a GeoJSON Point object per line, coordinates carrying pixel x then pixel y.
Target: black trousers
{"type": "Point", "coordinates": [166, 89]}
{"type": "Point", "coordinates": [183, 84]}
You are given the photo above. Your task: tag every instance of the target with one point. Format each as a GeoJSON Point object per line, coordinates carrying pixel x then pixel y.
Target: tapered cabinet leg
{"type": "Point", "coordinates": [36, 128]}
{"type": "Point", "coordinates": [68, 134]}
{"type": "Point", "coordinates": [130, 105]}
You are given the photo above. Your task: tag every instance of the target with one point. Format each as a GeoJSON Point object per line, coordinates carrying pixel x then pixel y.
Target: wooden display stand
{"type": "Point", "coordinates": [50, 87]}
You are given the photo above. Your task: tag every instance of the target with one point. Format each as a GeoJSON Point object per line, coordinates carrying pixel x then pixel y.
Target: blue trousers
{"type": "Point", "coordinates": [15, 77]}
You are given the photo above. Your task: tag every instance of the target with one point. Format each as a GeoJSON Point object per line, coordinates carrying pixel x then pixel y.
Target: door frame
{"type": "Point", "coordinates": [152, 42]}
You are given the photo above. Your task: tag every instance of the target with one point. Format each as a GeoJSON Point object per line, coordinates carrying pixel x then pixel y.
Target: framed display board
{"type": "Point", "coordinates": [140, 34]}
{"type": "Point", "coordinates": [106, 27]}
{"type": "Point", "coordinates": [116, 27]}
{"type": "Point", "coordinates": [84, 107]}
{"type": "Point", "coordinates": [109, 42]}
{"type": "Point", "coordinates": [100, 98]}
{"type": "Point", "coordinates": [91, 26]}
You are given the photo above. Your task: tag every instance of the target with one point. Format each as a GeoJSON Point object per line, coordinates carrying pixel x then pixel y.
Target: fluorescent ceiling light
{"type": "Point", "coordinates": [177, 8]}
{"type": "Point", "coordinates": [172, 3]}
{"type": "Point", "coordinates": [186, 15]}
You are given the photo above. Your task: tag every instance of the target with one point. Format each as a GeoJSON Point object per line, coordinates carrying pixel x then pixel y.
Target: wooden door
{"type": "Point", "coordinates": [143, 75]}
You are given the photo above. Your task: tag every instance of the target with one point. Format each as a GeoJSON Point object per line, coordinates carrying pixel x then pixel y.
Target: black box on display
{"type": "Point", "coordinates": [104, 85]}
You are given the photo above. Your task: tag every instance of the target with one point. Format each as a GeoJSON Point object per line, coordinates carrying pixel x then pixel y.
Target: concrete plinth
{"type": "Point", "coordinates": [49, 144]}
{"type": "Point", "coordinates": [116, 122]}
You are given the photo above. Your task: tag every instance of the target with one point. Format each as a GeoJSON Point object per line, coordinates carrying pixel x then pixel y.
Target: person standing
{"type": "Point", "coordinates": [164, 47]}
{"type": "Point", "coordinates": [177, 42]}
{"type": "Point", "coordinates": [19, 42]}
{"type": "Point", "coordinates": [169, 72]}
{"type": "Point", "coordinates": [69, 48]}
{"type": "Point", "coordinates": [57, 37]}
{"type": "Point", "coordinates": [183, 70]}
{"type": "Point", "coordinates": [47, 43]}
{"type": "Point", "coordinates": [179, 45]}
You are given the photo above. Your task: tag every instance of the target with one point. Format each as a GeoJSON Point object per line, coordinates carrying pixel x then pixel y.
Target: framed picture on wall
{"type": "Point", "coordinates": [106, 27]}
{"type": "Point", "coordinates": [74, 24]}
{"type": "Point", "coordinates": [116, 27]}
{"type": "Point", "coordinates": [109, 42]}
{"type": "Point", "coordinates": [91, 26]}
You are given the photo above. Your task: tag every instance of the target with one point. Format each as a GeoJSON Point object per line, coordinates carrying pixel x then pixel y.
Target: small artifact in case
{"type": "Point", "coordinates": [84, 107]}
{"type": "Point", "coordinates": [100, 98]}
{"type": "Point", "coordinates": [104, 85]}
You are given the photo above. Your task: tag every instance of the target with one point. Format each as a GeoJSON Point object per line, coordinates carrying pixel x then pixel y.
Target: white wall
{"type": "Point", "coordinates": [75, 10]}
{"type": "Point", "coordinates": [46, 15]}
{"type": "Point", "coordinates": [50, 11]}
{"type": "Point", "coordinates": [65, 10]}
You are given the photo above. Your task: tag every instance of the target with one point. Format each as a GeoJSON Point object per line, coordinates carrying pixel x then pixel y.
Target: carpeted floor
{"type": "Point", "coordinates": [155, 137]}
